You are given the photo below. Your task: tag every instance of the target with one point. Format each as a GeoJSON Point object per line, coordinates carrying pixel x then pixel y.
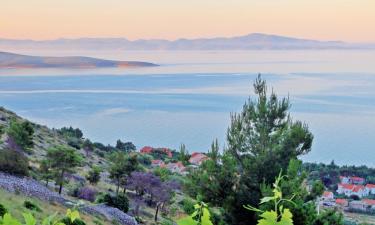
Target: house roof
{"type": "Point", "coordinates": [341, 201]}
{"type": "Point", "coordinates": [352, 187]}
{"type": "Point", "coordinates": [327, 194]}
{"type": "Point", "coordinates": [370, 185]}
{"type": "Point", "coordinates": [197, 158]}
{"type": "Point", "coordinates": [369, 201]}
{"type": "Point", "coordinates": [146, 149]}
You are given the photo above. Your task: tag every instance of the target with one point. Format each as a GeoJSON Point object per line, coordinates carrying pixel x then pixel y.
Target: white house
{"type": "Point", "coordinates": [327, 195]}
{"type": "Point", "coordinates": [352, 189]}
{"type": "Point", "coordinates": [352, 180]}
{"type": "Point", "coordinates": [370, 188]}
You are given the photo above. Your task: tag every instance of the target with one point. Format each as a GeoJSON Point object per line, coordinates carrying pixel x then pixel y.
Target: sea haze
{"type": "Point", "coordinates": [189, 98]}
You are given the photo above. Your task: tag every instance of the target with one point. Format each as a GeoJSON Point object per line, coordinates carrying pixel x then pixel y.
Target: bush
{"type": "Point", "coordinates": [22, 133]}
{"type": "Point", "coordinates": [144, 159]}
{"type": "Point", "coordinates": [188, 206]}
{"type": "Point", "coordinates": [67, 221]}
{"type": "Point", "coordinates": [13, 162]}
{"type": "Point", "coordinates": [87, 193]}
{"type": "Point", "coordinates": [94, 175]}
{"type": "Point", "coordinates": [120, 201]}
{"type": "Point", "coordinates": [32, 206]}
{"type": "Point", "coordinates": [75, 143]}
{"type": "Point", "coordinates": [3, 210]}
{"type": "Point", "coordinates": [73, 189]}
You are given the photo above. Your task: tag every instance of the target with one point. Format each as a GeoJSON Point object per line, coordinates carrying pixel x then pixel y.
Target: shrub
{"type": "Point", "coordinates": [75, 143]}
{"type": "Point", "coordinates": [30, 205]}
{"type": "Point", "coordinates": [144, 159]}
{"type": "Point", "coordinates": [3, 210]}
{"type": "Point", "coordinates": [120, 201]}
{"type": "Point", "coordinates": [87, 193]}
{"type": "Point", "coordinates": [13, 162]}
{"type": "Point", "coordinates": [94, 175]}
{"type": "Point", "coordinates": [67, 221]}
{"type": "Point", "coordinates": [73, 189]}
{"type": "Point", "coordinates": [187, 206]}
{"type": "Point", "coordinates": [22, 133]}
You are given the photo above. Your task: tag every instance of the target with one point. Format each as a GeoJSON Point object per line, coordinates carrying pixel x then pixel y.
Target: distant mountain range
{"type": "Point", "coordinates": [11, 60]}
{"type": "Point", "coordinates": [255, 41]}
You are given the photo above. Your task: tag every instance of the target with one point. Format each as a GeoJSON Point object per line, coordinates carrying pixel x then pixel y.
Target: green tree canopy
{"type": "Point", "coordinates": [63, 160]}
{"type": "Point", "coordinates": [122, 165]}
{"type": "Point", "coordinates": [22, 133]}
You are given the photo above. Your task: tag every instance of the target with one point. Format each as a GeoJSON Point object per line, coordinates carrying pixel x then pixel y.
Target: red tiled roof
{"type": "Point", "coordinates": [370, 185]}
{"type": "Point", "coordinates": [357, 188]}
{"type": "Point", "coordinates": [353, 187]}
{"type": "Point", "coordinates": [341, 201]}
{"type": "Point", "coordinates": [327, 194]}
{"type": "Point", "coordinates": [347, 186]}
{"type": "Point", "coordinates": [197, 158]}
{"type": "Point", "coordinates": [369, 201]}
{"type": "Point", "coordinates": [146, 149]}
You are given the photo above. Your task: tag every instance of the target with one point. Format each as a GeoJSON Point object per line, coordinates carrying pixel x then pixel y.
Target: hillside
{"type": "Point", "coordinates": [11, 60]}
{"type": "Point", "coordinates": [78, 191]}
{"type": "Point", "coordinates": [254, 41]}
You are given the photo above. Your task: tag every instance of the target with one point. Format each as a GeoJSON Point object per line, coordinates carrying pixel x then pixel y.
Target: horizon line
{"type": "Point", "coordinates": [182, 38]}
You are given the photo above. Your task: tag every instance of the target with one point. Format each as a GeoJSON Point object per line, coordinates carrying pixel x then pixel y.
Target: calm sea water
{"type": "Point", "coordinates": [189, 98]}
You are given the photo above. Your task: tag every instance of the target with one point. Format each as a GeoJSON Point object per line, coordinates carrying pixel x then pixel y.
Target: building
{"type": "Point", "coordinates": [345, 180]}
{"type": "Point", "coordinates": [369, 202]}
{"type": "Point", "coordinates": [327, 195]}
{"type": "Point", "coordinates": [370, 188]}
{"type": "Point", "coordinates": [358, 205]}
{"type": "Point", "coordinates": [157, 163]}
{"type": "Point", "coordinates": [177, 167]}
{"type": "Point", "coordinates": [357, 180]}
{"type": "Point", "coordinates": [352, 189]}
{"type": "Point", "coordinates": [352, 180]}
{"type": "Point", "coordinates": [342, 202]}
{"type": "Point", "coordinates": [198, 158]}
{"type": "Point", "coordinates": [365, 205]}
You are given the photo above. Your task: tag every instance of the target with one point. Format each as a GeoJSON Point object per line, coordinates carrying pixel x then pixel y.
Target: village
{"type": "Point", "coordinates": [353, 194]}
{"type": "Point", "coordinates": [195, 160]}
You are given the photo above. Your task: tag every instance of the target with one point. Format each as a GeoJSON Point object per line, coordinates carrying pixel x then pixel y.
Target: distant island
{"type": "Point", "coordinates": [254, 41]}
{"type": "Point", "coordinates": [16, 61]}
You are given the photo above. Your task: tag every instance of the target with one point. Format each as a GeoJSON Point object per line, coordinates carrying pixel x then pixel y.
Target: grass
{"type": "Point", "coordinates": [15, 205]}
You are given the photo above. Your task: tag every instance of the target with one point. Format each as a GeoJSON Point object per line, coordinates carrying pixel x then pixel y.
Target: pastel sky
{"type": "Point", "coordinates": [348, 20]}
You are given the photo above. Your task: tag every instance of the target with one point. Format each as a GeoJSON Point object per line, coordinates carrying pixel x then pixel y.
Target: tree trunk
{"type": "Point", "coordinates": [61, 181]}
{"type": "Point", "coordinates": [118, 186]}
{"type": "Point", "coordinates": [157, 211]}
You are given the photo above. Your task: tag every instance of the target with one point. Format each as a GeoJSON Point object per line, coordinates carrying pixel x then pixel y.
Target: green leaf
{"type": "Point", "coordinates": [268, 218]}
{"type": "Point", "coordinates": [286, 218]}
{"type": "Point", "coordinates": [29, 219]}
{"type": "Point", "coordinates": [72, 215]}
{"type": "Point", "coordinates": [9, 220]}
{"type": "Point", "coordinates": [266, 199]}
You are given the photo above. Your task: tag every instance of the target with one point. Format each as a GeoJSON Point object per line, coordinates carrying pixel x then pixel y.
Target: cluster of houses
{"type": "Point", "coordinates": [351, 186]}
{"type": "Point", "coordinates": [195, 160]}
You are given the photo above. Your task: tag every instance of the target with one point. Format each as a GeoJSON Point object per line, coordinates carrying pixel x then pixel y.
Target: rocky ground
{"type": "Point", "coordinates": [33, 188]}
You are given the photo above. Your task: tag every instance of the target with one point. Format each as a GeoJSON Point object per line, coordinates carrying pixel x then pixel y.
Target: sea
{"type": "Point", "coordinates": [190, 97]}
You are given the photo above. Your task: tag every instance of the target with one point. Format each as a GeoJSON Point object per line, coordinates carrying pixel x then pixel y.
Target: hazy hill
{"type": "Point", "coordinates": [253, 41]}
{"type": "Point", "coordinates": [11, 60]}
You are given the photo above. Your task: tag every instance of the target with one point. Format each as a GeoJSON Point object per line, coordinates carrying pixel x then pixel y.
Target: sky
{"type": "Point", "coordinates": [347, 20]}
